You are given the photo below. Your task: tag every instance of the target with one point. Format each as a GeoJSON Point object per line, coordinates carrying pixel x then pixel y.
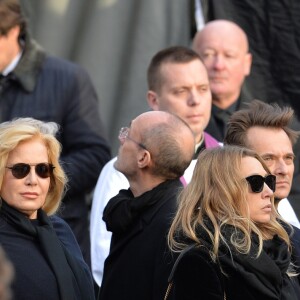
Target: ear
{"type": "Point", "coordinates": [14, 32]}
{"type": "Point", "coordinates": [144, 159]}
{"type": "Point", "coordinates": [248, 63]}
{"type": "Point", "coordinates": [153, 101]}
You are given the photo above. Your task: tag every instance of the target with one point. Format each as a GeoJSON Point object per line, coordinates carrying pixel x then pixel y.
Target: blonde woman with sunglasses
{"type": "Point", "coordinates": [46, 258]}
{"type": "Point", "coordinates": [240, 245]}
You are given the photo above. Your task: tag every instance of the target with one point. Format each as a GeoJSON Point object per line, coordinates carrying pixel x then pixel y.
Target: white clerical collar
{"type": "Point", "coordinates": [13, 64]}
{"type": "Point", "coordinates": [199, 144]}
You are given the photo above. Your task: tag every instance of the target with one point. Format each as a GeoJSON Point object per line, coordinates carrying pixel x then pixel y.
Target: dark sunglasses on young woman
{"type": "Point", "coordinates": [257, 182]}
{"type": "Point", "coordinates": [21, 170]}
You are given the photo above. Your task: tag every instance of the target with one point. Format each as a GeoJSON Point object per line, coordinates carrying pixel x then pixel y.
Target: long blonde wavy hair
{"type": "Point", "coordinates": [218, 192]}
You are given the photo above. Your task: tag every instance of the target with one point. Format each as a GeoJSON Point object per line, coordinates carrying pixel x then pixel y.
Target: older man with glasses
{"type": "Point", "coordinates": [153, 155]}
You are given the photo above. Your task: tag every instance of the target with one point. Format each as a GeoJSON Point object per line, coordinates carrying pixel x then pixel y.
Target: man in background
{"type": "Point", "coordinates": [224, 50]}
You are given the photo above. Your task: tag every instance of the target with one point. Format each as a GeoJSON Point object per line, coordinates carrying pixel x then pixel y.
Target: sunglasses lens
{"type": "Point", "coordinates": [271, 182]}
{"type": "Point", "coordinates": [43, 170]}
{"type": "Point", "coordinates": [20, 170]}
{"type": "Point", "coordinates": [256, 183]}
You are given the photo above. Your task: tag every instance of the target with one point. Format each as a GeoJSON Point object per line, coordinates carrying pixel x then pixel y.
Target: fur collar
{"type": "Point", "coordinates": [28, 68]}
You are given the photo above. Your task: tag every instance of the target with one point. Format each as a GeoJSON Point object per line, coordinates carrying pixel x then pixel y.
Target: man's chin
{"type": "Point", "coordinates": [281, 196]}
{"type": "Point", "coordinates": [116, 163]}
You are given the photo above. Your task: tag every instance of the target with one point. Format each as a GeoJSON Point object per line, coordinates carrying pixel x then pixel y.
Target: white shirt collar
{"type": "Point", "coordinates": [13, 64]}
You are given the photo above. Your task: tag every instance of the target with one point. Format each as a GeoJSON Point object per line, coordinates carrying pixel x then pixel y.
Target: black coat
{"type": "Point", "coordinates": [139, 262]}
{"type": "Point", "coordinates": [52, 89]}
{"type": "Point", "coordinates": [295, 241]}
{"type": "Point", "coordinates": [35, 277]}
{"type": "Point", "coordinates": [198, 277]}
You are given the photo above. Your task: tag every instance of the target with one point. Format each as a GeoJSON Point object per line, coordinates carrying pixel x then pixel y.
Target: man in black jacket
{"type": "Point", "coordinates": [34, 84]}
{"type": "Point", "coordinates": [154, 153]}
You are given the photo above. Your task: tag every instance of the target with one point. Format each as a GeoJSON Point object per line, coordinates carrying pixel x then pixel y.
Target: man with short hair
{"type": "Point", "coordinates": [266, 129]}
{"type": "Point", "coordinates": [224, 50]}
{"type": "Point", "coordinates": [178, 83]}
{"type": "Point", "coordinates": [154, 153]}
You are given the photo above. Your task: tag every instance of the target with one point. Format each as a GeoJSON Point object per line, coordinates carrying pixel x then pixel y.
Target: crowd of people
{"type": "Point", "coordinates": [194, 206]}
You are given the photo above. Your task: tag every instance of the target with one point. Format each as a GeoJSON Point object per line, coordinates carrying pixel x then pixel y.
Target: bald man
{"type": "Point", "coordinates": [154, 153]}
{"type": "Point", "coordinates": [223, 48]}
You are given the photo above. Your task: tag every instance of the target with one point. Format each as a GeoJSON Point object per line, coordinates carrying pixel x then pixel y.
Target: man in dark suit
{"type": "Point", "coordinates": [154, 153]}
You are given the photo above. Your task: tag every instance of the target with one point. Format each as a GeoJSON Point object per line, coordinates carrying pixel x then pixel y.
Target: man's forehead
{"type": "Point", "coordinates": [265, 139]}
{"type": "Point", "coordinates": [183, 73]}
{"type": "Point", "coordinates": [180, 65]}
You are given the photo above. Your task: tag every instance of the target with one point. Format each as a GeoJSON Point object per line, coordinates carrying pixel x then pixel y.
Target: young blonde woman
{"type": "Point", "coordinates": [242, 247]}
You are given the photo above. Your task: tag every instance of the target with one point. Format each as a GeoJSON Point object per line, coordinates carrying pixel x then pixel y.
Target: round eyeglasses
{"type": "Point", "coordinates": [124, 134]}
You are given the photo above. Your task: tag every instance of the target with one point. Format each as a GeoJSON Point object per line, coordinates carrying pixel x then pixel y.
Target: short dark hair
{"type": "Point", "coordinates": [175, 54]}
{"type": "Point", "coordinates": [11, 15]}
{"type": "Point", "coordinates": [261, 114]}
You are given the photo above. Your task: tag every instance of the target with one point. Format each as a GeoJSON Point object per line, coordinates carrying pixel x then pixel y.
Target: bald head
{"type": "Point", "coordinates": [225, 30]}
{"type": "Point", "coordinates": [169, 139]}
{"type": "Point", "coordinates": [223, 48]}
{"type": "Point", "coordinates": [161, 141]}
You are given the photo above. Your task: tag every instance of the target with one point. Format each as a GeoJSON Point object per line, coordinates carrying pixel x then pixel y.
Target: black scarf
{"type": "Point", "coordinates": [123, 209]}
{"type": "Point", "coordinates": [70, 277]}
{"type": "Point", "coordinates": [266, 274]}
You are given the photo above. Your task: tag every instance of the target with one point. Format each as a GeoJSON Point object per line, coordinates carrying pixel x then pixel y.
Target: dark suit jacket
{"type": "Point", "coordinates": [139, 262]}
{"type": "Point", "coordinates": [217, 129]}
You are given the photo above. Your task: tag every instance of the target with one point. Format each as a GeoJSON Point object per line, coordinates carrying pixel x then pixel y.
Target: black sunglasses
{"type": "Point", "coordinates": [21, 170]}
{"type": "Point", "coordinates": [256, 182]}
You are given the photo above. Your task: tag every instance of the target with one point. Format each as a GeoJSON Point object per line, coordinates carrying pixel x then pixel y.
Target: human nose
{"type": "Point", "coordinates": [194, 98]}
{"type": "Point", "coordinates": [32, 177]}
{"type": "Point", "coordinates": [267, 191]}
{"type": "Point", "coordinates": [219, 62]}
{"type": "Point", "coordinates": [281, 168]}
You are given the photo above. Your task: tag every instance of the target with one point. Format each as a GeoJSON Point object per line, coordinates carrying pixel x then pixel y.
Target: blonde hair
{"type": "Point", "coordinates": [23, 129]}
{"type": "Point", "coordinates": [218, 193]}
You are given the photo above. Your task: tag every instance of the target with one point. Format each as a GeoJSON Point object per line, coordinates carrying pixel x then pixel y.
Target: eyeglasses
{"type": "Point", "coordinates": [124, 134]}
{"type": "Point", "coordinates": [21, 170]}
{"type": "Point", "coordinates": [256, 182]}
